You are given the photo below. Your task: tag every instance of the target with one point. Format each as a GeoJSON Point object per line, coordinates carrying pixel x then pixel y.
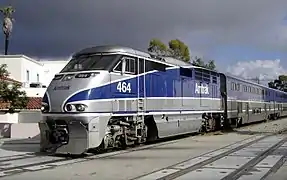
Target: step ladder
{"type": "Point", "coordinates": [140, 126]}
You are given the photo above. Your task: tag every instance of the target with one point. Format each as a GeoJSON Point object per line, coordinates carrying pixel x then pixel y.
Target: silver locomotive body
{"type": "Point", "coordinates": [113, 97]}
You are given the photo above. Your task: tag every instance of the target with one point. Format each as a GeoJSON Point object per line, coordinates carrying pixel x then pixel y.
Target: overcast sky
{"type": "Point", "coordinates": [229, 31]}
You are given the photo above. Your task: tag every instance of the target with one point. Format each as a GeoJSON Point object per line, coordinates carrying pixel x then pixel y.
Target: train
{"type": "Point", "coordinates": [113, 97]}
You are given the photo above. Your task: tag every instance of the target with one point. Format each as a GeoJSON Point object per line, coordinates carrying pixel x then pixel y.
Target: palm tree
{"type": "Point", "coordinates": [7, 24]}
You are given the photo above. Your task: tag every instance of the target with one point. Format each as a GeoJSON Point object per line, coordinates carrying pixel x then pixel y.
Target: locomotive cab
{"type": "Point", "coordinates": [79, 101]}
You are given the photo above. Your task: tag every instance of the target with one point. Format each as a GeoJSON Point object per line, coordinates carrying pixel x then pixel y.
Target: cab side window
{"type": "Point", "coordinates": [118, 67]}
{"type": "Point", "coordinates": [141, 66]}
{"type": "Point", "coordinates": [151, 66]}
{"type": "Point", "coordinates": [129, 65]}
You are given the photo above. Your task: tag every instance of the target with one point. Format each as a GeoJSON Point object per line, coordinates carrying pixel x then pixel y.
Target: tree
{"type": "Point", "coordinates": [179, 50]}
{"type": "Point", "coordinates": [157, 47]}
{"type": "Point", "coordinates": [10, 92]}
{"type": "Point", "coordinates": [280, 83]}
{"type": "Point", "coordinates": [211, 65]}
{"type": "Point", "coordinates": [199, 62]}
{"type": "Point", "coordinates": [282, 78]}
{"type": "Point", "coordinates": [7, 24]}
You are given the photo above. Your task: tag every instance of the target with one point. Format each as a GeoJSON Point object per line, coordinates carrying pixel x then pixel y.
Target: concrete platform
{"type": "Point", "coordinates": [136, 163]}
{"type": "Point", "coordinates": [129, 164]}
{"type": "Point", "coordinates": [14, 147]}
{"type": "Point", "coordinates": [281, 174]}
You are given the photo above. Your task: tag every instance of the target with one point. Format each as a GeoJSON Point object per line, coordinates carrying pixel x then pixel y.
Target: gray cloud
{"type": "Point", "coordinates": [265, 70]}
{"type": "Point", "coordinates": [58, 28]}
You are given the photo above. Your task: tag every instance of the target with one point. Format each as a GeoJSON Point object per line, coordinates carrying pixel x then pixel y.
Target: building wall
{"type": "Point", "coordinates": [14, 64]}
{"type": "Point", "coordinates": [28, 70]}
{"type": "Point", "coordinates": [31, 71]}
{"type": "Point", "coordinates": [25, 123]}
{"type": "Point", "coordinates": [29, 117]}
{"type": "Point", "coordinates": [51, 68]}
{"type": "Point", "coordinates": [23, 131]}
{"type": "Point", "coordinates": [9, 118]}
{"type": "Point", "coordinates": [20, 125]}
{"type": "Point", "coordinates": [34, 92]}
{"type": "Point", "coordinates": [23, 68]}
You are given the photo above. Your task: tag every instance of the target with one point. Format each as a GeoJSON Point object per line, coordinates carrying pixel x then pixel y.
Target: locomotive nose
{"type": "Point", "coordinates": [65, 85]}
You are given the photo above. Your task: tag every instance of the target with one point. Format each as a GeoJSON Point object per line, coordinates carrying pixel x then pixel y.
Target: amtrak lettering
{"type": "Point", "coordinates": [201, 89]}
{"type": "Point", "coordinates": [61, 88]}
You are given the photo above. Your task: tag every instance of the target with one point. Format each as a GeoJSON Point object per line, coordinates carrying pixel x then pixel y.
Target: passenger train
{"type": "Point", "coordinates": [114, 97]}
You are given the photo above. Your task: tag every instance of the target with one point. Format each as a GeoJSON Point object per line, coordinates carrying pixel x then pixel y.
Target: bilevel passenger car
{"type": "Point", "coordinates": [249, 102]}
{"type": "Point", "coordinates": [114, 96]}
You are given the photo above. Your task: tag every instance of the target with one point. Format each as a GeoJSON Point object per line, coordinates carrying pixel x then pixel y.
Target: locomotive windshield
{"type": "Point", "coordinates": [90, 62]}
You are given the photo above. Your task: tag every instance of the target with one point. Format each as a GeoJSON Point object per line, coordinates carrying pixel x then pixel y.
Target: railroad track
{"type": "Point", "coordinates": [253, 158]}
{"type": "Point", "coordinates": [11, 165]}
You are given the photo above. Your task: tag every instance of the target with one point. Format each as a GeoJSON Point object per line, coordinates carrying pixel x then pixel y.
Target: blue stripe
{"type": "Point", "coordinates": [158, 84]}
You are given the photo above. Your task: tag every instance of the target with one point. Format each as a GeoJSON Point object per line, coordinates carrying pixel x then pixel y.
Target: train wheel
{"type": "Point", "coordinates": [238, 122]}
{"type": "Point", "coordinates": [268, 118]}
{"type": "Point", "coordinates": [212, 124]}
{"type": "Point", "coordinates": [98, 150]}
{"type": "Point", "coordinates": [202, 130]}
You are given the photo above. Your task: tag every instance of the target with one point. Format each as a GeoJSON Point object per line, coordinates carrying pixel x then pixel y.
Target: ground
{"type": "Point", "coordinates": [213, 156]}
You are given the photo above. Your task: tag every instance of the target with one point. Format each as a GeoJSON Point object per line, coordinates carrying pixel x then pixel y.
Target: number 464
{"type": "Point", "coordinates": [124, 87]}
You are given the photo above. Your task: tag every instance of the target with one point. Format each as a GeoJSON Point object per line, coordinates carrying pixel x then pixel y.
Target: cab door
{"type": "Point", "coordinates": [124, 87]}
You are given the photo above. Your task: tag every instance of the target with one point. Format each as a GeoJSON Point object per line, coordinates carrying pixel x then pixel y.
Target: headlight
{"type": "Point", "coordinates": [69, 107]}
{"type": "Point", "coordinates": [75, 107]}
{"type": "Point", "coordinates": [80, 107]}
{"type": "Point", "coordinates": [45, 107]}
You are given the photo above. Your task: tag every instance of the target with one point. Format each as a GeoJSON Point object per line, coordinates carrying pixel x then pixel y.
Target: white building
{"type": "Point", "coordinates": [34, 75]}
{"type": "Point", "coordinates": [50, 69]}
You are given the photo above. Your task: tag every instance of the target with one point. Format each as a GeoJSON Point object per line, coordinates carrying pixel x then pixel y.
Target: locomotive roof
{"type": "Point", "coordinates": [111, 49]}
{"type": "Point", "coordinates": [123, 49]}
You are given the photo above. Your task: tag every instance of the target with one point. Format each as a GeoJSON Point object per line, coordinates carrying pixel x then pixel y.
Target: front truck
{"type": "Point", "coordinates": [75, 135]}
{"type": "Point", "coordinates": [72, 134]}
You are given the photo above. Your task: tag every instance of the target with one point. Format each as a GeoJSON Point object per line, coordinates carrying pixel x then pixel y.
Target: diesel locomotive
{"type": "Point", "coordinates": [115, 96]}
